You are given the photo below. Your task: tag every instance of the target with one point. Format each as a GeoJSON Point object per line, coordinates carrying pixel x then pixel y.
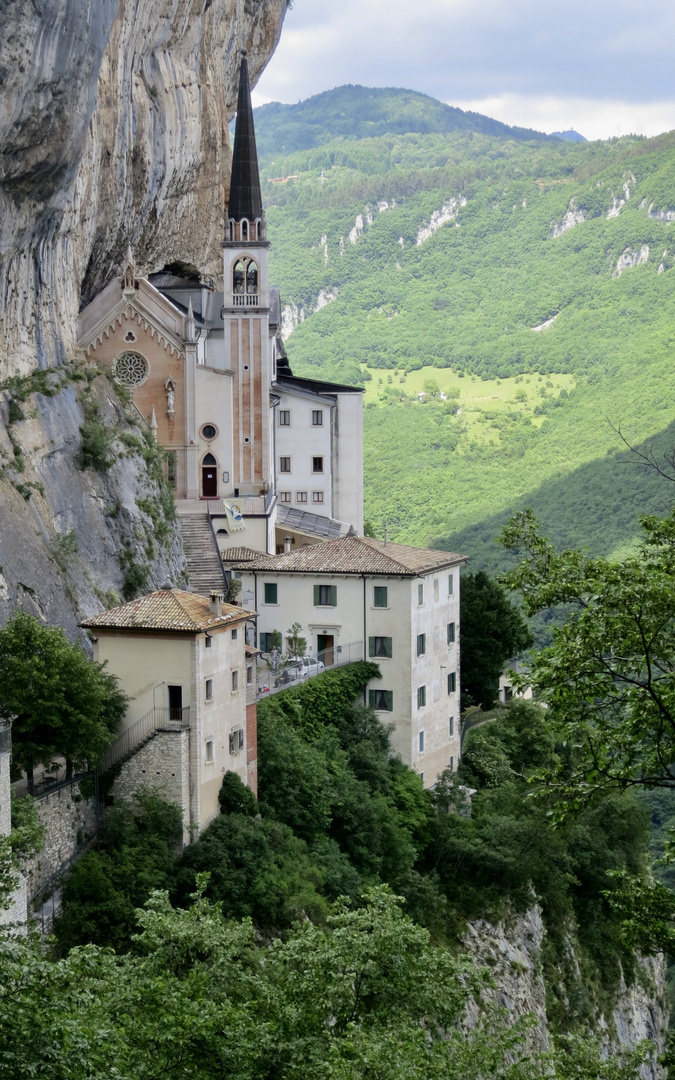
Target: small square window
{"type": "Point", "coordinates": [209, 690]}
{"type": "Point", "coordinates": [284, 417]}
{"type": "Point", "coordinates": [249, 675]}
{"type": "Point", "coordinates": [421, 644]}
{"type": "Point", "coordinates": [234, 635]}
{"type": "Point", "coordinates": [301, 496]}
{"type": "Point", "coordinates": [421, 696]}
{"type": "Point", "coordinates": [236, 740]}
{"type": "Point", "coordinates": [284, 464]}
{"type": "Point", "coordinates": [380, 646]}
{"type": "Point", "coordinates": [452, 682]}
{"type": "Point", "coordinates": [271, 592]}
{"type": "Point", "coordinates": [208, 641]}
{"type": "Point", "coordinates": [235, 680]}
{"type": "Point", "coordinates": [451, 726]}
{"type": "Point", "coordinates": [325, 595]}
{"type": "Point", "coordinates": [451, 584]}
{"type": "Point", "coordinates": [382, 700]}
{"type": "Point", "coordinates": [209, 755]}
{"type": "Point", "coordinates": [285, 496]}
{"type": "Point", "coordinates": [267, 641]}
{"type": "Point", "coordinates": [421, 742]}
{"type": "Point", "coordinates": [451, 633]}
{"type": "Point", "coordinates": [420, 593]}
{"type": "Point", "coordinates": [435, 588]}
{"type": "Point", "coordinates": [317, 464]}
{"type": "Point", "coordinates": [317, 496]}
{"type": "Point", "coordinates": [317, 417]}
{"type": "Point", "coordinates": [380, 596]}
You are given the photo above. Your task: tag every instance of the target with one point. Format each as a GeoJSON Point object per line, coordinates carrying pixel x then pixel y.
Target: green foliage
{"type": "Point", "coordinates": [295, 644]}
{"type": "Point", "coordinates": [25, 840]}
{"type": "Point", "coordinates": [135, 578]}
{"type": "Point", "coordinates": [136, 852]}
{"type": "Point", "coordinates": [367, 996]}
{"type": "Point", "coordinates": [608, 676]}
{"type": "Point", "coordinates": [493, 631]}
{"type": "Point", "coordinates": [465, 302]}
{"type": "Point", "coordinates": [319, 701]}
{"type": "Point", "coordinates": [59, 702]}
{"type": "Point", "coordinates": [235, 798]}
{"type": "Point", "coordinates": [97, 440]}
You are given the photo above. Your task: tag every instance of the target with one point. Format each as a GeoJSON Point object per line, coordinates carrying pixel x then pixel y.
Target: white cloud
{"type": "Point", "coordinates": [612, 51]}
{"type": "Point", "coordinates": [595, 119]}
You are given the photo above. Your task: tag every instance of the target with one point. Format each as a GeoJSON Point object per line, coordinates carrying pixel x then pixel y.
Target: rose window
{"type": "Point", "coordinates": [130, 369]}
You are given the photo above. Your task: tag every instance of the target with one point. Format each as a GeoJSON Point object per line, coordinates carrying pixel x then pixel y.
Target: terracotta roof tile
{"type": "Point", "coordinates": [240, 554]}
{"type": "Point", "coordinates": [168, 609]}
{"type": "Point", "coordinates": [356, 555]}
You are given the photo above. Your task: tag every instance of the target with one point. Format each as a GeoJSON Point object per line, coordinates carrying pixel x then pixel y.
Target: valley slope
{"type": "Point", "coordinates": [506, 262]}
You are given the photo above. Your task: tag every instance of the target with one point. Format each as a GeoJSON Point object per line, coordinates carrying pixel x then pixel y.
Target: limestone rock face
{"type": "Point", "coordinates": [113, 131]}
{"type": "Point", "coordinates": [512, 952]}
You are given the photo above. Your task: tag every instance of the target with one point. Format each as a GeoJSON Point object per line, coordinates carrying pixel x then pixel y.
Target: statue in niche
{"type": "Point", "coordinates": [170, 388]}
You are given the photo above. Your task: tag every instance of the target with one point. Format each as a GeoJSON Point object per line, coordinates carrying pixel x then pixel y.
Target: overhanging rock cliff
{"type": "Point", "coordinates": [113, 132]}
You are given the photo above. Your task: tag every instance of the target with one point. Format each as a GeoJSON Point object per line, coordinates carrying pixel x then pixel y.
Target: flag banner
{"type": "Point", "coordinates": [234, 516]}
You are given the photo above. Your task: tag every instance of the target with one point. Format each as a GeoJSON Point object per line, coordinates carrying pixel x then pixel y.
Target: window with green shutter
{"type": "Point", "coordinates": [452, 682]}
{"type": "Point", "coordinates": [270, 592]}
{"type": "Point", "coordinates": [380, 596]}
{"type": "Point", "coordinates": [325, 596]}
{"type": "Point", "coordinates": [382, 700]}
{"type": "Point", "coordinates": [421, 644]}
{"type": "Point", "coordinates": [380, 646]}
{"type": "Point", "coordinates": [451, 633]}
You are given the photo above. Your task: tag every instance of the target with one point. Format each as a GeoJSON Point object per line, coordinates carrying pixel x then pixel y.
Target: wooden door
{"type": "Point", "coordinates": [325, 646]}
{"type": "Point", "coordinates": [210, 481]}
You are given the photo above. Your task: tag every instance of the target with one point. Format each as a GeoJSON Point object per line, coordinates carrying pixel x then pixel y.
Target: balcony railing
{"type": "Point", "coordinates": [285, 675]}
{"type": "Point", "coordinates": [157, 719]}
{"type": "Point", "coordinates": [245, 299]}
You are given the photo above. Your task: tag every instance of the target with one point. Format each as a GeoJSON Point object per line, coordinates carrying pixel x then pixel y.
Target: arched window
{"type": "Point", "coordinates": [209, 460]}
{"type": "Point", "coordinates": [244, 229]}
{"type": "Point", "coordinates": [209, 477]}
{"type": "Point", "coordinates": [239, 277]}
{"type": "Point", "coordinates": [252, 278]}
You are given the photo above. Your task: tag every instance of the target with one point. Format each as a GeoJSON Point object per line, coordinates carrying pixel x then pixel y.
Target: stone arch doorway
{"type": "Point", "coordinates": [209, 477]}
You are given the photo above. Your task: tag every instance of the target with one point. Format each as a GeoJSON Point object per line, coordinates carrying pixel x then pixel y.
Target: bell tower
{"type": "Point", "coordinates": [246, 306]}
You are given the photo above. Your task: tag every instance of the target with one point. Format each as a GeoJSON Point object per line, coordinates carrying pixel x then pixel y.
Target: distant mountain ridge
{"type": "Point", "coordinates": [360, 112]}
{"type": "Point", "coordinates": [570, 135]}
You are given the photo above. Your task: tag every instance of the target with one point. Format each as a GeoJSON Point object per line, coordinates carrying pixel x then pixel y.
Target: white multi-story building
{"type": "Point", "coordinates": [182, 660]}
{"type": "Point", "coordinates": [359, 598]}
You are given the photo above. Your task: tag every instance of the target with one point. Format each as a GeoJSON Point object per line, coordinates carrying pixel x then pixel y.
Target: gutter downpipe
{"type": "Point", "coordinates": [255, 604]}
{"type": "Point", "coordinates": [365, 635]}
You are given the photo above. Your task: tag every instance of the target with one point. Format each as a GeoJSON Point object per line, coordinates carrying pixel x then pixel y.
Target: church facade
{"type": "Point", "coordinates": [281, 455]}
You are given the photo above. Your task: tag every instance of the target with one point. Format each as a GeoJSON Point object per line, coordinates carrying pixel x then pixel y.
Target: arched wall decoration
{"type": "Point", "coordinates": [112, 321]}
{"type": "Point", "coordinates": [130, 369]}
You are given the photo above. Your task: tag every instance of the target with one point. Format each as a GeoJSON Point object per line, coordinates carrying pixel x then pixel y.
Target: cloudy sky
{"type": "Point", "coordinates": [604, 67]}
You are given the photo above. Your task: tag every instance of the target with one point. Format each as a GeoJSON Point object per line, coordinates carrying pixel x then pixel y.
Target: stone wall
{"type": "Point", "coordinates": [69, 820]}
{"type": "Point", "coordinates": [162, 765]}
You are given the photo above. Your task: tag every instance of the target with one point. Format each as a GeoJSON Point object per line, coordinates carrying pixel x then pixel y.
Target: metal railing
{"type": "Point", "coordinates": [244, 299]}
{"type": "Point", "coordinates": [297, 671]}
{"type": "Point", "coordinates": [157, 719]}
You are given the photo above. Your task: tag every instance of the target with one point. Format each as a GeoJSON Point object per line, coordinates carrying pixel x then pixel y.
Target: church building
{"type": "Point", "coordinates": [254, 452]}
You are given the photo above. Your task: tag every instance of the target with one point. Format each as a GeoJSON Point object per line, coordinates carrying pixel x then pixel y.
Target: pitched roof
{"type": "Point", "coordinates": [356, 555]}
{"type": "Point", "coordinates": [167, 609]}
{"type": "Point", "coordinates": [240, 554]}
{"type": "Point", "coordinates": [245, 199]}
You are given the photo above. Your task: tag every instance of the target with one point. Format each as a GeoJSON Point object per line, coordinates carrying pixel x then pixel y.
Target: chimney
{"type": "Point", "coordinates": [287, 545]}
{"type": "Point", "coordinates": [215, 600]}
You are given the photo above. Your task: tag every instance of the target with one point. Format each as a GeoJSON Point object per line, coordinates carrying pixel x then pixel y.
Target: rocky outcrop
{"type": "Point", "coordinates": [113, 131]}
{"type": "Point", "coordinates": [513, 953]}
{"type": "Point", "coordinates": [70, 537]}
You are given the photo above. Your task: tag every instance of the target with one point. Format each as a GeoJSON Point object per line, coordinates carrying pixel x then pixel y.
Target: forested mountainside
{"type": "Point", "coordinates": [527, 283]}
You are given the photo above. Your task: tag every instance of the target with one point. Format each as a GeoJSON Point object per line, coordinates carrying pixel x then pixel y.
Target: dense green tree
{"type": "Point", "coordinates": [58, 701]}
{"type": "Point", "coordinates": [136, 852]}
{"type": "Point", "coordinates": [365, 998]}
{"type": "Point", "coordinates": [493, 631]}
{"type": "Point", "coordinates": [609, 675]}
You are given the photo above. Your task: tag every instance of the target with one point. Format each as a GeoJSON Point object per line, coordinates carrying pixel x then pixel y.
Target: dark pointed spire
{"type": "Point", "coordinates": [245, 198]}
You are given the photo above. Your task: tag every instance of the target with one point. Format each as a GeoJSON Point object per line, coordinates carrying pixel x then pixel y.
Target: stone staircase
{"type": "Point", "coordinates": [205, 566]}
